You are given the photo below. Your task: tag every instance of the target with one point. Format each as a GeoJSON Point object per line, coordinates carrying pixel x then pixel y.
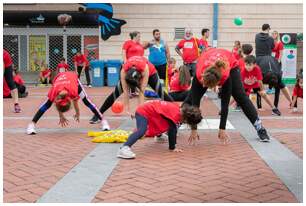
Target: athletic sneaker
{"type": "Point", "coordinates": [295, 109]}
{"type": "Point", "coordinates": [94, 120]}
{"type": "Point", "coordinates": [17, 108]}
{"type": "Point", "coordinates": [270, 91]}
{"type": "Point", "coordinates": [263, 135]}
{"type": "Point", "coordinates": [236, 109]}
{"type": "Point", "coordinates": [31, 129]}
{"type": "Point", "coordinates": [161, 139]}
{"type": "Point", "coordinates": [125, 152]}
{"type": "Point", "coordinates": [89, 86]}
{"type": "Point", "coordinates": [275, 111]}
{"type": "Point", "coordinates": [105, 125]}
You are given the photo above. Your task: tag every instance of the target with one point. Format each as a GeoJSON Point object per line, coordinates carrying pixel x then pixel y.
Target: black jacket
{"type": "Point", "coordinates": [263, 44]}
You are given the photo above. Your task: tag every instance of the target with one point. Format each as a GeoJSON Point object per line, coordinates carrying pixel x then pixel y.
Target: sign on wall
{"type": "Point", "coordinates": [289, 58]}
{"type": "Point", "coordinates": [37, 52]}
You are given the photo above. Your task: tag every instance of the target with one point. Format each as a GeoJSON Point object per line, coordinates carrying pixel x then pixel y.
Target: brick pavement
{"type": "Point", "coordinates": [208, 172]}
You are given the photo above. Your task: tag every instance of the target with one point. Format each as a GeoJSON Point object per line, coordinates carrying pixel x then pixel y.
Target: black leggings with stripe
{"type": "Point", "coordinates": [43, 108]}
{"type": "Point", "coordinates": [153, 82]}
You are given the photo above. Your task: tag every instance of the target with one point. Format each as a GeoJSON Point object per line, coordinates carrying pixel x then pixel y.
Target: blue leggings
{"type": "Point", "coordinates": [141, 124]}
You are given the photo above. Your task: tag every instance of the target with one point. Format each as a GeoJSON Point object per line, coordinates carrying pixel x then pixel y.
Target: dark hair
{"type": "Point", "coordinates": [250, 59]}
{"type": "Point", "coordinates": [63, 59]}
{"type": "Point", "coordinates": [155, 30]}
{"type": "Point", "coordinates": [247, 49]}
{"type": "Point", "coordinates": [133, 78]}
{"type": "Point", "coordinates": [213, 75]}
{"type": "Point", "coordinates": [265, 27]}
{"type": "Point", "coordinates": [298, 81]}
{"type": "Point", "coordinates": [237, 41]}
{"type": "Point", "coordinates": [184, 75]}
{"type": "Point", "coordinates": [204, 31]}
{"type": "Point", "coordinates": [272, 79]}
{"type": "Point", "coordinates": [191, 115]}
{"type": "Point", "coordinates": [134, 34]}
{"type": "Point", "coordinates": [63, 107]}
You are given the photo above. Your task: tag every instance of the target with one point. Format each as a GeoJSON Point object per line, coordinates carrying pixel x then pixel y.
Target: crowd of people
{"type": "Point", "coordinates": [233, 74]}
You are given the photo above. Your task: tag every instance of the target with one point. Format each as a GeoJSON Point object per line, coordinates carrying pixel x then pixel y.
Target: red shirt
{"type": "Point", "coordinates": [278, 46]}
{"type": "Point", "coordinates": [155, 111]}
{"type": "Point", "coordinates": [17, 78]}
{"type": "Point", "coordinates": [190, 49]}
{"type": "Point", "coordinates": [64, 81]}
{"type": "Point", "coordinates": [6, 89]}
{"type": "Point", "coordinates": [298, 92]}
{"type": "Point", "coordinates": [133, 49]}
{"type": "Point", "coordinates": [62, 67]}
{"type": "Point", "coordinates": [236, 53]}
{"type": "Point", "coordinates": [140, 63]}
{"type": "Point", "coordinates": [175, 83]}
{"type": "Point", "coordinates": [7, 60]}
{"type": "Point", "coordinates": [46, 73]}
{"type": "Point", "coordinates": [203, 43]}
{"type": "Point", "coordinates": [250, 78]}
{"type": "Point", "coordinates": [209, 58]}
{"type": "Point", "coordinates": [80, 60]}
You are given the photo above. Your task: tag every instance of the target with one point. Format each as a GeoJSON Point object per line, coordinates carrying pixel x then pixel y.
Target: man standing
{"type": "Point", "coordinates": [264, 43]}
{"type": "Point", "coordinates": [159, 54]}
{"type": "Point", "coordinates": [204, 41]}
{"type": "Point", "coordinates": [82, 64]}
{"type": "Point", "coordinates": [190, 54]}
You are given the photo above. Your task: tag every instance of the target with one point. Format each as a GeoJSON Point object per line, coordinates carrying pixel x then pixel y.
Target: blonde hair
{"type": "Point", "coordinates": [276, 32]}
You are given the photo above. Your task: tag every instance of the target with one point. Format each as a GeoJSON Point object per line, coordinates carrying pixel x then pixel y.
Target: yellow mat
{"type": "Point", "coordinates": [113, 136]}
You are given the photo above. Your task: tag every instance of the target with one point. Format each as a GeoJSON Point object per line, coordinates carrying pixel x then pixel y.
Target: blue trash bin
{"type": "Point", "coordinates": [97, 68]}
{"type": "Point", "coordinates": [113, 72]}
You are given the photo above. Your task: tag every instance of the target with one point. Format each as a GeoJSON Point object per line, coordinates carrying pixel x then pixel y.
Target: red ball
{"type": "Point", "coordinates": [117, 107]}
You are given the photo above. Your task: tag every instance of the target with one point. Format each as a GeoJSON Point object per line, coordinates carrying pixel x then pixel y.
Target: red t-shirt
{"type": "Point", "coordinates": [7, 60]}
{"type": "Point", "coordinates": [298, 92]}
{"type": "Point", "coordinates": [133, 49]}
{"type": "Point", "coordinates": [80, 60]}
{"type": "Point", "coordinates": [6, 89]}
{"type": "Point", "coordinates": [203, 43]}
{"type": "Point", "coordinates": [279, 46]}
{"type": "Point", "coordinates": [155, 111]}
{"type": "Point", "coordinates": [62, 67]}
{"type": "Point", "coordinates": [175, 83]}
{"type": "Point", "coordinates": [140, 63]}
{"type": "Point", "coordinates": [236, 53]}
{"type": "Point", "coordinates": [17, 78]}
{"type": "Point", "coordinates": [190, 50]}
{"type": "Point", "coordinates": [209, 58]}
{"type": "Point", "coordinates": [250, 78]}
{"type": "Point", "coordinates": [64, 81]}
{"type": "Point", "coordinates": [46, 73]}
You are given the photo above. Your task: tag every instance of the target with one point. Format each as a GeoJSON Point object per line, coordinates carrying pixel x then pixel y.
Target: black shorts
{"type": "Point", "coordinates": [161, 70]}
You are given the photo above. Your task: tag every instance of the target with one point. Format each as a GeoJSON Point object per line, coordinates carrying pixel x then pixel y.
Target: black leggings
{"type": "Point", "coordinates": [280, 85]}
{"type": "Point", "coordinates": [43, 108]}
{"type": "Point", "coordinates": [154, 84]}
{"type": "Point", "coordinates": [9, 78]}
{"type": "Point", "coordinates": [86, 74]}
{"type": "Point", "coordinates": [179, 96]}
{"type": "Point", "coordinates": [232, 87]}
{"type": "Point", "coordinates": [142, 125]}
{"type": "Point", "coordinates": [258, 97]}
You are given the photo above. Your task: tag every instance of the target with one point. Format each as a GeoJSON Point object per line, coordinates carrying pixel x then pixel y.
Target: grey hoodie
{"type": "Point", "coordinates": [263, 44]}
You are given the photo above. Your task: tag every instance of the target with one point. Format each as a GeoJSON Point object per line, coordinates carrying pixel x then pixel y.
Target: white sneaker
{"type": "Point", "coordinates": [295, 109]}
{"type": "Point", "coordinates": [105, 125]}
{"type": "Point", "coordinates": [125, 152]}
{"type": "Point", "coordinates": [31, 129]}
{"type": "Point", "coordinates": [161, 139]}
{"type": "Point", "coordinates": [89, 86]}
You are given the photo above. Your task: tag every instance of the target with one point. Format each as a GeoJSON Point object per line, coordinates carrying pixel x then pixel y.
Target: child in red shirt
{"type": "Point", "coordinates": [154, 118]}
{"type": "Point", "coordinates": [62, 66]}
{"type": "Point", "coordinates": [45, 75]}
{"type": "Point", "coordinates": [180, 83]}
{"type": "Point", "coordinates": [236, 50]}
{"type": "Point", "coordinates": [66, 88]}
{"type": "Point", "coordinates": [277, 51]}
{"type": "Point", "coordinates": [297, 93]}
{"type": "Point", "coordinates": [251, 77]}
{"type": "Point", "coordinates": [203, 43]}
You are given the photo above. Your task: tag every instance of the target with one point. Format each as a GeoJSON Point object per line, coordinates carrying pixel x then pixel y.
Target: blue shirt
{"type": "Point", "coordinates": [157, 54]}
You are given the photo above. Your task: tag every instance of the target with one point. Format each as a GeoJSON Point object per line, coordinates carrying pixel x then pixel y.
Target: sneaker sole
{"type": "Point", "coordinates": [96, 122]}
{"type": "Point", "coordinates": [276, 114]}
{"type": "Point", "coordinates": [125, 157]}
{"type": "Point", "coordinates": [264, 140]}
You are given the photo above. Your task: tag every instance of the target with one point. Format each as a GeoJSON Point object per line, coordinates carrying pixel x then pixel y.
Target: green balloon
{"type": "Point", "coordinates": [238, 21]}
